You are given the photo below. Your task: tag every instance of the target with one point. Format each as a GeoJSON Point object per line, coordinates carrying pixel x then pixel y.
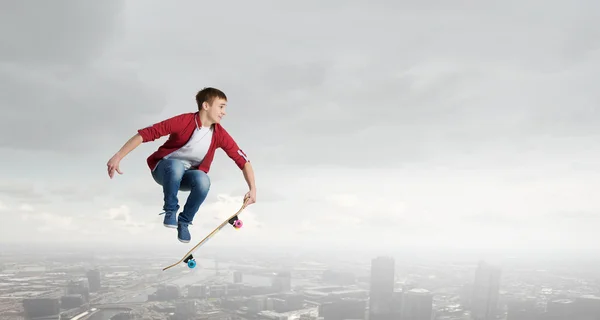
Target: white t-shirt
{"type": "Point", "coordinates": [194, 151]}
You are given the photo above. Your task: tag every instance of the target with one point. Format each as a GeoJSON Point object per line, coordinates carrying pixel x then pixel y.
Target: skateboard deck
{"type": "Point", "coordinates": [232, 220]}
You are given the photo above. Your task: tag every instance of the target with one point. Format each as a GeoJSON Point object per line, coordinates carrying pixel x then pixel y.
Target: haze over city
{"type": "Point", "coordinates": [454, 142]}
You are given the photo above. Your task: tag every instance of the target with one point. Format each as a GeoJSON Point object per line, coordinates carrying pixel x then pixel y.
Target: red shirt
{"type": "Point", "coordinates": [180, 129]}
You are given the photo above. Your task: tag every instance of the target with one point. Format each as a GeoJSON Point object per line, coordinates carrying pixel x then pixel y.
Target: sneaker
{"type": "Point", "coordinates": [183, 234]}
{"type": "Point", "coordinates": [170, 219]}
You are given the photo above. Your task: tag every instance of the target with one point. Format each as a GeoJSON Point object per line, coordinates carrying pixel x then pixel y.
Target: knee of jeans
{"type": "Point", "coordinates": [201, 179]}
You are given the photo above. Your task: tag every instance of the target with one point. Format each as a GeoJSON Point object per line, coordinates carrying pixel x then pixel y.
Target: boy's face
{"type": "Point", "coordinates": [216, 110]}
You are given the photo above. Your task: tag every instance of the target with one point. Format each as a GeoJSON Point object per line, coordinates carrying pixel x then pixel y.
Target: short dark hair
{"type": "Point", "coordinates": [209, 94]}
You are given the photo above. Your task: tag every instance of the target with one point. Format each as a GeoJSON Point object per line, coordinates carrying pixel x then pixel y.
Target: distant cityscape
{"type": "Point", "coordinates": [226, 287]}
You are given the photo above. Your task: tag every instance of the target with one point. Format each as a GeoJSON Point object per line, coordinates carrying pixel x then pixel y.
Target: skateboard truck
{"type": "Point", "coordinates": [191, 262]}
{"type": "Point", "coordinates": [236, 222]}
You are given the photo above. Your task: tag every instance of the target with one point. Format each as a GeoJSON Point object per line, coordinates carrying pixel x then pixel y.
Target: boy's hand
{"type": "Point", "coordinates": [251, 196]}
{"type": "Point", "coordinates": [113, 165]}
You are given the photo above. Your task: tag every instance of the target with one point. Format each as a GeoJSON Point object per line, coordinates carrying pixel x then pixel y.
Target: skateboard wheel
{"type": "Point", "coordinates": [238, 224]}
{"type": "Point", "coordinates": [191, 264]}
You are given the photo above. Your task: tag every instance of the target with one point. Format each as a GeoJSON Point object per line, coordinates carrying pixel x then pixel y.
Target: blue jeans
{"type": "Point", "coordinates": [173, 177]}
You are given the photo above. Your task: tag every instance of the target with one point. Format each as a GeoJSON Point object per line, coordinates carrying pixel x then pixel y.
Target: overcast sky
{"type": "Point", "coordinates": [425, 124]}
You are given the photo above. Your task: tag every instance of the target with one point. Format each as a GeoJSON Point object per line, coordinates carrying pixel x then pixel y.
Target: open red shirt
{"type": "Point", "coordinates": [180, 129]}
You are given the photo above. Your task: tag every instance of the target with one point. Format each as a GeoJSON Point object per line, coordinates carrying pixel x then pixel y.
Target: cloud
{"type": "Point", "coordinates": [132, 222]}
{"type": "Point", "coordinates": [444, 89]}
{"type": "Point", "coordinates": [47, 192]}
{"type": "Point", "coordinates": [423, 124]}
{"type": "Point", "coordinates": [122, 218]}
{"type": "Point", "coordinates": [26, 207]}
{"type": "Point", "coordinates": [575, 215]}
{"type": "Point", "coordinates": [22, 191]}
{"type": "Point", "coordinates": [119, 214]}
{"type": "Point", "coordinates": [61, 224]}
{"type": "Point", "coordinates": [47, 34]}
{"type": "Point", "coordinates": [50, 223]}
{"type": "Point", "coordinates": [57, 72]}
{"type": "Point", "coordinates": [343, 200]}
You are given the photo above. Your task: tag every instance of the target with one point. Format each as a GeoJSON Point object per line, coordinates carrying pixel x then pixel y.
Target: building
{"type": "Point", "coordinates": [417, 304]}
{"type": "Point", "coordinates": [382, 289]}
{"type": "Point", "coordinates": [486, 292]}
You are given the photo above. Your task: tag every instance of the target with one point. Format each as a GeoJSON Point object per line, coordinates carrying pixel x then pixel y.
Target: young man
{"type": "Point", "coordinates": [183, 161]}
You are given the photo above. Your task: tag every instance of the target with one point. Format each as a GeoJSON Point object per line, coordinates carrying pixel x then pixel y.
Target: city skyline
{"type": "Point", "coordinates": [317, 287]}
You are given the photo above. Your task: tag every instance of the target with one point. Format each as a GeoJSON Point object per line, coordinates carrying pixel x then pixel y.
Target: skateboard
{"type": "Point", "coordinates": [233, 220]}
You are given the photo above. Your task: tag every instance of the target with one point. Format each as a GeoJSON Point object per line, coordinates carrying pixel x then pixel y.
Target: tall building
{"type": "Point", "coordinates": [417, 304]}
{"type": "Point", "coordinates": [486, 292]}
{"type": "Point", "coordinates": [237, 277]}
{"type": "Point", "coordinates": [382, 289]}
{"type": "Point", "coordinates": [166, 292]}
{"type": "Point", "coordinates": [93, 277]}
{"type": "Point", "coordinates": [282, 282]}
{"type": "Point", "coordinates": [80, 287]}
{"type": "Point", "coordinates": [397, 297]}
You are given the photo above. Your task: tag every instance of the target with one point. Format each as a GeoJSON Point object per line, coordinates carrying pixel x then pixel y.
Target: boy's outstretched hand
{"type": "Point", "coordinates": [113, 165]}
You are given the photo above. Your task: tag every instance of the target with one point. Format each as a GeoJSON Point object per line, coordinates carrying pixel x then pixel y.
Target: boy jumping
{"type": "Point", "coordinates": [183, 161]}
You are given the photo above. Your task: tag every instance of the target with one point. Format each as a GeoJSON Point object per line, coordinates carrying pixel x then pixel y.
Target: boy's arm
{"type": "Point", "coordinates": [147, 134]}
{"type": "Point", "coordinates": [249, 176]}
{"type": "Point", "coordinates": [160, 129]}
{"type": "Point", "coordinates": [232, 150]}
{"type": "Point", "coordinates": [113, 163]}
{"type": "Point", "coordinates": [241, 160]}
{"type": "Point", "coordinates": [129, 146]}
